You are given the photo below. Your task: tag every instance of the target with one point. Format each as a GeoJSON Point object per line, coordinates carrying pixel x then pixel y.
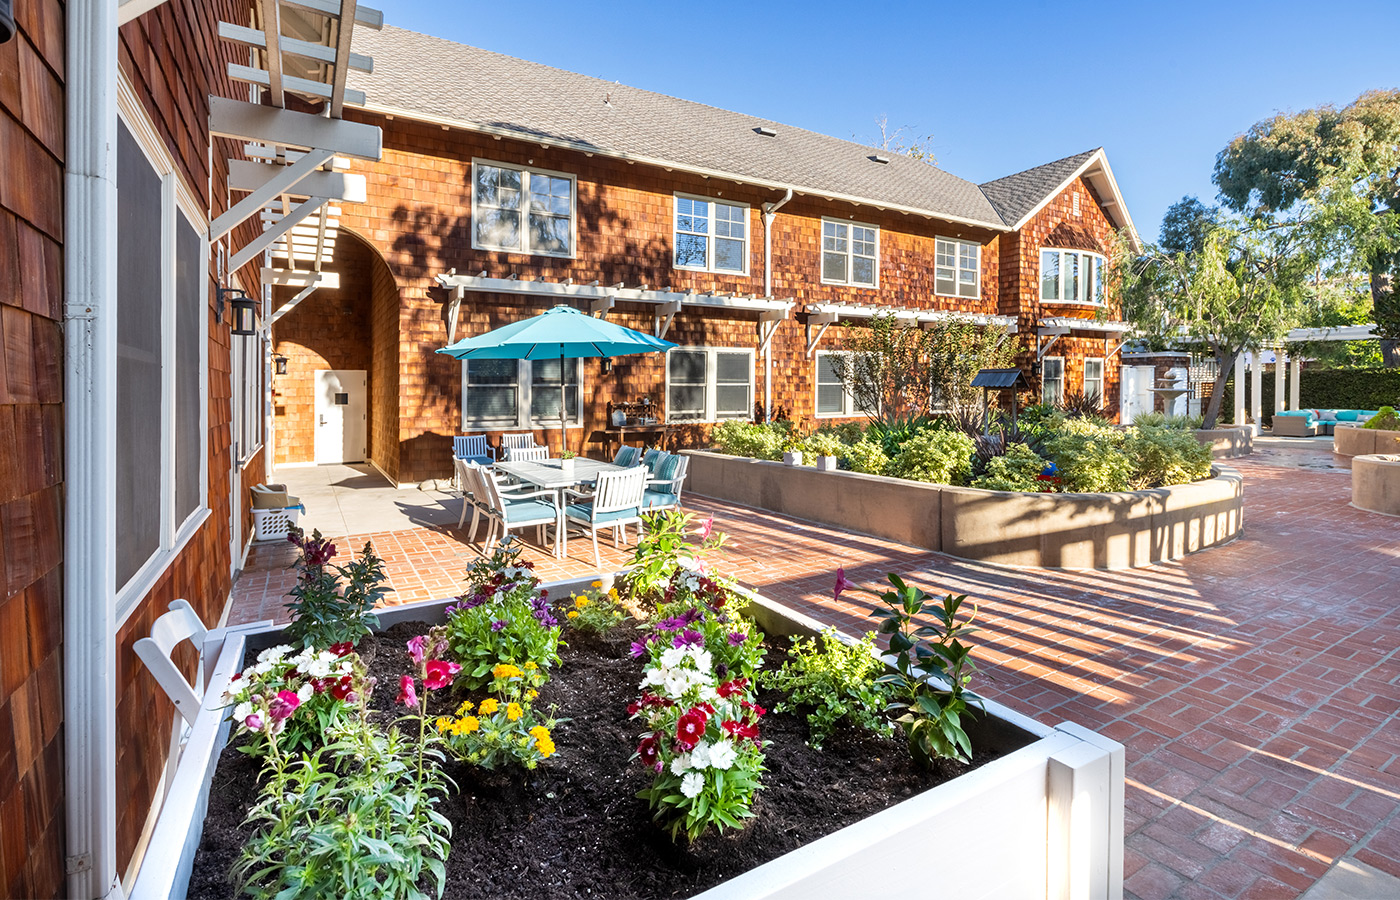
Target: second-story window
{"type": "Point", "coordinates": [850, 253]}
{"type": "Point", "coordinates": [522, 209]}
{"type": "Point", "coordinates": [957, 268]}
{"type": "Point", "coordinates": [711, 236]}
{"type": "Point", "coordinates": [1071, 276]}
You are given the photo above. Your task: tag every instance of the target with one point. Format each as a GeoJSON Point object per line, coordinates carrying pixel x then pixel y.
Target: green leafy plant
{"type": "Point", "coordinates": [866, 456]}
{"type": "Point", "coordinates": [1018, 469]}
{"type": "Point", "coordinates": [596, 611]}
{"type": "Point", "coordinates": [503, 616]}
{"type": "Point", "coordinates": [759, 441]}
{"type": "Point", "coordinates": [1166, 420]}
{"type": "Point", "coordinates": [891, 433]}
{"type": "Point", "coordinates": [932, 668]}
{"type": "Point", "coordinates": [1089, 457]}
{"type": "Point", "coordinates": [1384, 419]}
{"type": "Point", "coordinates": [935, 455]}
{"type": "Point", "coordinates": [669, 539]}
{"type": "Point", "coordinates": [322, 612]}
{"type": "Point", "coordinates": [567, 454]}
{"type": "Point", "coordinates": [820, 443]}
{"type": "Point", "coordinates": [1163, 455]}
{"type": "Point", "coordinates": [838, 681]}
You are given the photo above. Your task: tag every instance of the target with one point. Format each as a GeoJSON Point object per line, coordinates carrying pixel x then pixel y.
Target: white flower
{"type": "Point", "coordinates": [702, 658]}
{"type": "Point", "coordinates": [680, 764]}
{"type": "Point", "coordinates": [318, 668]}
{"type": "Point", "coordinates": [676, 682]}
{"type": "Point", "coordinates": [708, 693]}
{"type": "Point", "coordinates": [722, 755]}
{"type": "Point", "coordinates": [672, 656]}
{"type": "Point", "coordinates": [304, 692]}
{"type": "Point", "coordinates": [700, 757]}
{"type": "Point", "coordinates": [692, 784]}
{"type": "Point", "coordinates": [242, 711]}
{"type": "Point", "coordinates": [274, 653]}
{"type": "Point", "coordinates": [654, 676]}
{"type": "Point", "coordinates": [263, 668]}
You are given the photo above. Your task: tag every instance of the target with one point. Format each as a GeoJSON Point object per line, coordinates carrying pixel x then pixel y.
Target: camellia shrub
{"type": "Point", "coordinates": [1019, 469]}
{"type": "Point", "coordinates": [941, 457]}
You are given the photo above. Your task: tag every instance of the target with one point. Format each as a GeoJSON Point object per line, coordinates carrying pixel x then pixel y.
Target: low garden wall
{"type": "Point", "coordinates": [1227, 443]}
{"type": "Point", "coordinates": [1353, 440]}
{"type": "Point", "coordinates": [1060, 531]}
{"type": "Point", "coordinates": [1375, 483]}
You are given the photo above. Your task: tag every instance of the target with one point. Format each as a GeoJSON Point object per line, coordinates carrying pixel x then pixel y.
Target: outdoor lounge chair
{"type": "Point", "coordinates": [664, 490]}
{"type": "Point", "coordinates": [616, 502]}
{"type": "Point", "coordinates": [512, 509]}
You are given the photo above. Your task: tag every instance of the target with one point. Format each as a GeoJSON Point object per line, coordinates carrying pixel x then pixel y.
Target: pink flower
{"type": "Point", "coordinates": [706, 527]}
{"type": "Point", "coordinates": [415, 649]}
{"type": "Point", "coordinates": [841, 583]}
{"type": "Point", "coordinates": [283, 705]}
{"type": "Point", "coordinates": [253, 722]}
{"type": "Point", "coordinates": [408, 696]}
{"type": "Point", "coordinates": [439, 674]}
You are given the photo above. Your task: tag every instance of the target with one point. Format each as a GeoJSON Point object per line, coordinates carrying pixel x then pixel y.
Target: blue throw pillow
{"type": "Point", "coordinates": [627, 457]}
{"type": "Point", "coordinates": [1347, 415]}
{"type": "Point", "coordinates": [652, 459]}
{"type": "Point", "coordinates": [667, 470]}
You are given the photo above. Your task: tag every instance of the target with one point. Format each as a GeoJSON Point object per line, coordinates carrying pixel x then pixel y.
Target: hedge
{"type": "Point", "coordinates": [1325, 389]}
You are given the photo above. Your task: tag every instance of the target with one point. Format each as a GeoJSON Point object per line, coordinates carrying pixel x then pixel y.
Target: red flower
{"type": "Point", "coordinates": [707, 709]}
{"type": "Point", "coordinates": [283, 705]}
{"type": "Point", "coordinates": [647, 750]}
{"type": "Point", "coordinates": [633, 707]}
{"type": "Point", "coordinates": [690, 729]}
{"type": "Point", "coordinates": [344, 648]}
{"type": "Point", "coordinates": [842, 585]}
{"type": "Point", "coordinates": [439, 673]}
{"type": "Point", "coordinates": [740, 729]}
{"type": "Point", "coordinates": [341, 690]}
{"type": "Point", "coordinates": [408, 696]}
{"type": "Point", "coordinates": [753, 707]}
{"type": "Point", "coordinates": [730, 688]}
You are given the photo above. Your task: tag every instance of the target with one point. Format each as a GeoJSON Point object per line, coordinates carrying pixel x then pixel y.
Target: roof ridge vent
{"type": "Point", "coordinates": [882, 160]}
{"type": "Point", "coordinates": [766, 131]}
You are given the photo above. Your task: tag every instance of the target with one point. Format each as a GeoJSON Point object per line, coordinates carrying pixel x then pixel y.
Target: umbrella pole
{"type": "Point", "coordinates": [563, 406]}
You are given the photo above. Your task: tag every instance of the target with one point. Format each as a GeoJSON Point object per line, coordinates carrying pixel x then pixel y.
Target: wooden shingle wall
{"type": "Point", "coordinates": [31, 453]}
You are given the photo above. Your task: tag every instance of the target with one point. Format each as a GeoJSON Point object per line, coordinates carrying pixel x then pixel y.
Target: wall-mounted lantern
{"type": "Point", "coordinates": [243, 311]}
{"type": "Point", "coordinates": [279, 364]}
{"type": "Point", "coordinates": [7, 20]}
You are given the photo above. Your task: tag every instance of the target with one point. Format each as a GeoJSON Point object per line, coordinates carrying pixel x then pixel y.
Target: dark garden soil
{"type": "Point", "coordinates": [574, 827]}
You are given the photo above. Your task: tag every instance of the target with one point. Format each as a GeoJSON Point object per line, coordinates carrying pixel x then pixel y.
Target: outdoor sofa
{"type": "Point", "coordinates": [1310, 422]}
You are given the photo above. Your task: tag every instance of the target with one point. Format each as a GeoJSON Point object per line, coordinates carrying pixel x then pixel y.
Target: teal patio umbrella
{"type": "Point", "coordinates": [560, 333]}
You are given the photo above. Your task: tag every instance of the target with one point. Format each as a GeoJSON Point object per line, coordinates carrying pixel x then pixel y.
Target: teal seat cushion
{"type": "Point", "coordinates": [657, 499]}
{"type": "Point", "coordinates": [583, 512]}
{"type": "Point", "coordinates": [479, 460]}
{"type": "Point", "coordinates": [1347, 415]}
{"type": "Point", "coordinates": [666, 470]}
{"type": "Point", "coordinates": [1295, 412]}
{"type": "Point", "coordinates": [531, 510]}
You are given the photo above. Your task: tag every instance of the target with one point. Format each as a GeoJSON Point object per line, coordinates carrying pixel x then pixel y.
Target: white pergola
{"type": "Point", "coordinates": [1295, 369]}
{"type": "Point", "coordinates": [822, 315]}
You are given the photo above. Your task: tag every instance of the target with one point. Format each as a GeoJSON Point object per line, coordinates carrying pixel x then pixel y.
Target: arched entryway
{"type": "Point", "coordinates": [335, 386]}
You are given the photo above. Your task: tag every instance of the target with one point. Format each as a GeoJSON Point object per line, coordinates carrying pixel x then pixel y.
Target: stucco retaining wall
{"type": "Point", "coordinates": [1375, 483]}
{"type": "Point", "coordinates": [1064, 531]}
{"type": "Point", "coordinates": [1227, 443]}
{"type": "Point", "coordinates": [1353, 440]}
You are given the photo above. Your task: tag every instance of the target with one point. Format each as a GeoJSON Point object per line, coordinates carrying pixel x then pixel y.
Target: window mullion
{"type": "Point", "coordinates": [167, 363]}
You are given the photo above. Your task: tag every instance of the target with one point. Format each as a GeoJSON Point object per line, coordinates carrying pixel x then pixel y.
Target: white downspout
{"type": "Point", "coordinates": [770, 211]}
{"type": "Point", "coordinates": [90, 421]}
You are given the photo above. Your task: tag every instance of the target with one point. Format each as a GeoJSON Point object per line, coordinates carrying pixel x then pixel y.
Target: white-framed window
{"type": "Point", "coordinates": [1052, 380]}
{"type": "Point", "coordinates": [850, 253]}
{"type": "Point", "coordinates": [711, 236]}
{"type": "Point", "coordinates": [957, 268]}
{"type": "Point", "coordinates": [1072, 276]}
{"type": "Point", "coordinates": [248, 374]}
{"type": "Point", "coordinates": [523, 209]}
{"type": "Point", "coordinates": [518, 393]}
{"type": "Point", "coordinates": [833, 400]}
{"type": "Point", "coordinates": [1093, 379]}
{"type": "Point", "coordinates": [162, 436]}
{"type": "Point", "coordinates": [707, 384]}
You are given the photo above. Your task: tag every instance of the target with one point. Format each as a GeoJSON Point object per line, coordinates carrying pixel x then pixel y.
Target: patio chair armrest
{"type": "Point", "coordinates": [652, 481]}
{"type": "Point", "coordinates": [582, 495]}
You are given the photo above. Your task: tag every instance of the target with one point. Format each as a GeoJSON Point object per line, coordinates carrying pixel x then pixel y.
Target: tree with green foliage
{"type": "Point", "coordinates": [1335, 175]}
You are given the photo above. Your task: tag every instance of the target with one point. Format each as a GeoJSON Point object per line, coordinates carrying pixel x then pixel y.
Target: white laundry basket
{"type": "Point", "coordinates": [276, 524]}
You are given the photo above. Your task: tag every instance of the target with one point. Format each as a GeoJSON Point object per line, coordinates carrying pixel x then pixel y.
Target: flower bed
{"type": "Point", "coordinates": [1354, 440]}
{"type": "Point", "coordinates": [561, 812]}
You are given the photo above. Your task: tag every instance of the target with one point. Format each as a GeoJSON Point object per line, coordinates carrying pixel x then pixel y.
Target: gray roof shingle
{"type": "Point", "coordinates": [1016, 195]}
{"type": "Point", "coordinates": [433, 76]}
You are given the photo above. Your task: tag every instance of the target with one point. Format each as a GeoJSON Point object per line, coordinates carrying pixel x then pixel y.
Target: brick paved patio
{"type": "Point", "coordinates": [1255, 685]}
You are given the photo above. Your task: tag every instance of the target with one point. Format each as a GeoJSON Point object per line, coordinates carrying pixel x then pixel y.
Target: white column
{"type": "Point", "coordinates": [1239, 389]}
{"type": "Point", "coordinates": [1279, 358]}
{"type": "Point", "coordinates": [1256, 388]}
{"type": "Point", "coordinates": [1294, 375]}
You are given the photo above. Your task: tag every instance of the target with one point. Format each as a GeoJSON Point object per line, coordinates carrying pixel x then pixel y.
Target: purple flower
{"type": "Point", "coordinates": [721, 671]}
{"type": "Point", "coordinates": [671, 624]}
{"type": "Point", "coordinates": [688, 638]}
{"type": "Point", "coordinates": [498, 624]}
{"type": "Point", "coordinates": [638, 650]}
{"type": "Point", "coordinates": [691, 616]}
{"type": "Point", "coordinates": [736, 638]}
{"type": "Point", "coordinates": [471, 602]}
{"type": "Point", "coordinates": [841, 584]}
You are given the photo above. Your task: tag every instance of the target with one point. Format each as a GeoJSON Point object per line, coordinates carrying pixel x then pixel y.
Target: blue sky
{"type": "Point", "coordinates": [1001, 86]}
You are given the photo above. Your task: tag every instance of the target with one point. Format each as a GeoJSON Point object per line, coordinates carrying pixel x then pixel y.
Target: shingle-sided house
{"type": "Point", "coordinates": [508, 186]}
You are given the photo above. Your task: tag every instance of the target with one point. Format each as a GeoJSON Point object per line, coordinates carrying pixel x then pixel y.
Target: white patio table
{"type": "Point", "coordinates": [549, 475]}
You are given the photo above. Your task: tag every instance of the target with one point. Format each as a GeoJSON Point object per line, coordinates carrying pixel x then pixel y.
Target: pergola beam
{"type": "Point", "coordinates": [319, 89]}
{"type": "Point", "coordinates": [130, 9]}
{"type": "Point", "coordinates": [263, 241]}
{"type": "Point", "coordinates": [243, 121]}
{"type": "Point", "coordinates": [300, 278]}
{"type": "Point", "coordinates": [249, 176]}
{"type": "Point", "coordinates": [280, 183]}
{"type": "Point", "coordinates": [364, 16]}
{"type": "Point", "coordinates": [251, 37]}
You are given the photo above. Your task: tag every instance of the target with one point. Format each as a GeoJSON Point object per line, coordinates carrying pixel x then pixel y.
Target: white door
{"type": "Point", "coordinates": [1135, 394]}
{"type": "Point", "coordinates": [341, 423]}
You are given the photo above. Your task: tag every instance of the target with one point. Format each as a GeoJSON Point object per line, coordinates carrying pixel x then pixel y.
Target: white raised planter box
{"type": "Point", "coordinates": [1045, 820]}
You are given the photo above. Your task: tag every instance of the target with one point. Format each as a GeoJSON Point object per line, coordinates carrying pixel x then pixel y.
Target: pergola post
{"type": "Point", "coordinates": [1279, 358]}
{"type": "Point", "coordinates": [1295, 374]}
{"type": "Point", "coordinates": [1256, 389]}
{"type": "Point", "coordinates": [1239, 389]}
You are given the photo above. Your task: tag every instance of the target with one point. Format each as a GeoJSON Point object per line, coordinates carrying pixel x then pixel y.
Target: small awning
{"type": "Point", "coordinates": [1061, 324]}
{"type": "Point", "coordinates": [822, 313]}
{"type": "Point", "coordinates": [1000, 379]}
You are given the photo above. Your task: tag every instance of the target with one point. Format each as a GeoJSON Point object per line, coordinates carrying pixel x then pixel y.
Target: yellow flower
{"type": "Point", "coordinates": [612, 592]}
{"type": "Point", "coordinates": [505, 670]}
{"type": "Point", "coordinates": [539, 733]}
{"type": "Point", "coordinates": [581, 602]}
{"type": "Point", "coordinates": [443, 723]}
{"type": "Point", "coordinates": [597, 584]}
{"type": "Point", "coordinates": [530, 666]}
{"type": "Point", "coordinates": [573, 614]}
{"type": "Point", "coordinates": [513, 711]}
{"type": "Point", "coordinates": [465, 708]}
{"type": "Point", "coordinates": [545, 746]}
{"type": "Point", "coordinates": [489, 706]}
{"type": "Point", "coordinates": [531, 694]}
{"type": "Point", "coordinates": [469, 724]}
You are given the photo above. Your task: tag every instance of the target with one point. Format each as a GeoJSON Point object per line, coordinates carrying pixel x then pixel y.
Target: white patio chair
{"type": "Point", "coordinates": [515, 509]}
{"type": "Point", "coordinates": [522, 440]}
{"type": "Point", "coordinates": [472, 447]}
{"type": "Point", "coordinates": [664, 492]}
{"type": "Point", "coordinates": [527, 454]}
{"type": "Point", "coordinates": [616, 502]}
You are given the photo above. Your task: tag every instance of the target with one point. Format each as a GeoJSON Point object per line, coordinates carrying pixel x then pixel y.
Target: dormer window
{"type": "Point", "coordinates": [1071, 276]}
